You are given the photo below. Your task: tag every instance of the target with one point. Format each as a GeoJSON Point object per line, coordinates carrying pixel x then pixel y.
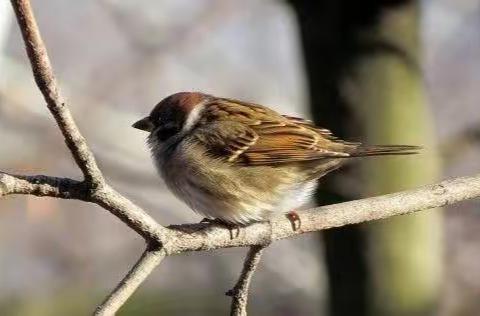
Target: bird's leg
{"type": "Point", "coordinates": [232, 228]}
{"type": "Point", "coordinates": [293, 217]}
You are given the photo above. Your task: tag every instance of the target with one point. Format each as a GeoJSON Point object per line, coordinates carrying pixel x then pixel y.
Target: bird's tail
{"type": "Point", "coordinates": [381, 150]}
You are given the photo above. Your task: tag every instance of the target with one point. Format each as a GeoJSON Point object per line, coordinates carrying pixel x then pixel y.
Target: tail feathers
{"type": "Point", "coordinates": [380, 150]}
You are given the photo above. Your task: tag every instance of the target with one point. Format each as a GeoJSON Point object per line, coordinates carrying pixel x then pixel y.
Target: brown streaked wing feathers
{"type": "Point", "coordinates": [250, 134]}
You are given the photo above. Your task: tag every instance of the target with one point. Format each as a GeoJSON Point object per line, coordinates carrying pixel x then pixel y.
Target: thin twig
{"type": "Point", "coordinates": [46, 82]}
{"type": "Point", "coordinates": [96, 190]}
{"type": "Point", "coordinates": [108, 198]}
{"type": "Point", "coordinates": [62, 188]}
{"type": "Point", "coordinates": [239, 293]}
{"type": "Point", "coordinates": [139, 272]}
{"type": "Point", "coordinates": [93, 188]}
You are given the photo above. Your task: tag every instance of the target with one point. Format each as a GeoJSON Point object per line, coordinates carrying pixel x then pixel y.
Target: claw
{"type": "Point", "coordinates": [293, 217]}
{"type": "Point", "coordinates": [206, 220]}
{"type": "Point", "coordinates": [232, 228]}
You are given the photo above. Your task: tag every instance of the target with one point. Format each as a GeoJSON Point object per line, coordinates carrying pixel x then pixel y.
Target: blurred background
{"type": "Point", "coordinates": [373, 71]}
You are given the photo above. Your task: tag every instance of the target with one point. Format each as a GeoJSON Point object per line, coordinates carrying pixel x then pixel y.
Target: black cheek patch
{"type": "Point", "coordinates": [166, 132]}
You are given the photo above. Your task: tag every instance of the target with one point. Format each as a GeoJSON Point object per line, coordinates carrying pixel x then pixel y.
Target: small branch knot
{"type": "Point", "coordinates": [439, 189]}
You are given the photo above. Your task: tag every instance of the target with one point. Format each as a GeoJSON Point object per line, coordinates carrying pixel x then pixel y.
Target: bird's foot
{"type": "Point", "coordinates": [207, 220]}
{"type": "Point", "coordinates": [294, 219]}
{"type": "Point", "coordinates": [232, 228]}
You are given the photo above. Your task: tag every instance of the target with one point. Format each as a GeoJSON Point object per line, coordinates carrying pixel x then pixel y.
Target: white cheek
{"type": "Point", "coordinates": [193, 116]}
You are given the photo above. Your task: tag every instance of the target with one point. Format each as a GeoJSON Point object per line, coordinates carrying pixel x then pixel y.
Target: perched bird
{"type": "Point", "coordinates": [240, 162]}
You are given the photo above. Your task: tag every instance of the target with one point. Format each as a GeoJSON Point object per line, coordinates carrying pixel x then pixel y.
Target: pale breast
{"type": "Point", "coordinates": [239, 195]}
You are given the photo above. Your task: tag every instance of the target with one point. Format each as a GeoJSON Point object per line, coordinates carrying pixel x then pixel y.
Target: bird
{"type": "Point", "coordinates": [239, 162]}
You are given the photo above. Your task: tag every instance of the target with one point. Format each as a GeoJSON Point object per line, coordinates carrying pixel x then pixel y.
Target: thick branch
{"type": "Point", "coordinates": [45, 79]}
{"type": "Point", "coordinates": [139, 272]}
{"type": "Point", "coordinates": [197, 237]}
{"type": "Point", "coordinates": [239, 293]}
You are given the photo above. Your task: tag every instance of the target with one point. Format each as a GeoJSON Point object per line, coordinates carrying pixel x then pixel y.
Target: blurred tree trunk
{"type": "Point", "coordinates": [327, 43]}
{"type": "Point", "coordinates": [362, 64]}
{"type": "Point", "coordinates": [388, 90]}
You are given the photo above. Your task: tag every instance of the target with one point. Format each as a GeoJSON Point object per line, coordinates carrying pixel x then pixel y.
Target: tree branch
{"type": "Point", "coordinates": [63, 188]}
{"type": "Point", "coordinates": [210, 236]}
{"type": "Point", "coordinates": [203, 237]}
{"type": "Point", "coordinates": [139, 272]}
{"type": "Point", "coordinates": [239, 293]}
{"type": "Point", "coordinates": [106, 197]}
{"type": "Point", "coordinates": [95, 188]}
{"type": "Point", "coordinates": [199, 237]}
{"type": "Point", "coordinates": [46, 82]}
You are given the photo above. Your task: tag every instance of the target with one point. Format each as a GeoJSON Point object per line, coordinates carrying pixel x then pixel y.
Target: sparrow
{"type": "Point", "coordinates": [241, 162]}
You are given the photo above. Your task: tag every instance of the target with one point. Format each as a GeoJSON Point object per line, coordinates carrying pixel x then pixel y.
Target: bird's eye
{"type": "Point", "coordinates": [166, 131]}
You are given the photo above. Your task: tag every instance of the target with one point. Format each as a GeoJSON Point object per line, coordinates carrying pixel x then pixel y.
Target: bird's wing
{"type": "Point", "coordinates": [252, 135]}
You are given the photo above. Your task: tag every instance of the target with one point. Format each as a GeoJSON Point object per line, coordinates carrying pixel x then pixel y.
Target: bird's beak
{"type": "Point", "coordinates": [144, 124]}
